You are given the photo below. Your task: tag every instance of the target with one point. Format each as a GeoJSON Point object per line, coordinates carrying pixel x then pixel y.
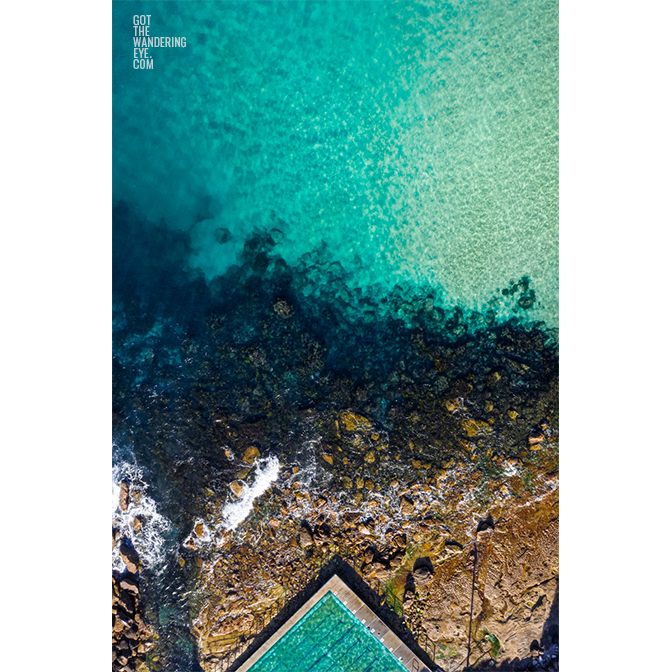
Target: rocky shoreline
{"type": "Point", "coordinates": [416, 538]}
{"type": "Point", "coordinates": [132, 637]}
{"type": "Point", "coordinates": [394, 439]}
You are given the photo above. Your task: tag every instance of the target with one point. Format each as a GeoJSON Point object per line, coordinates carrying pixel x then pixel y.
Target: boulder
{"type": "Point", "coordinates": [124, 492]}
{"type": "Point", "coordinates": [353, 422]}
{"type": "Point", "coordinates": [130, 557]}
{"type": "Point", "coordinates": [423, 571]}
{"type": "Point", "coordinates": [237, 488]}
{"type": "Point", "coordinates": [422, 575]}
{"type": "Point", "coordinates": [305, 537]}
{"type": "Point", "coordinates": [407, 506]}
{"type": "Point", "coordinates": [370, 457]}
{"type": "Point", "coordinates": [396, 562]}
{"type": "Point", "coordinates": [129, 585]}
{"type": "Point", "coordinates": [367, 527]}
{"type": "Point", "coordinates": [250, 455]}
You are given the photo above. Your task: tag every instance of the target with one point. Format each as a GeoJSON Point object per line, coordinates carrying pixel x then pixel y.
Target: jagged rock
{"type": "Point", "coordinates": [305, 537]}
{"type": "Point", "coordinates": [129, 585]}
{"type": "Point", "coordinates": [370, 457]}
{"type": "Point", "coordinates": [329, 459]}
{"type": "Point", "coordinates": [368, 555]}
{"type": "Point", "coordinates": [366, 528]}
{"type": "Point", "coordinates": [422, 575]}
{"type": "Point", "coordinates": [127, 602]}
{"type": "Point", "coordinates": [124, 492]}
{"type": "Point", "coordinates": [399, 540]}
{"type": "Point", "coordinates": [274, 523]}
{"type": "Point", "coordinates": [407, 506]}
{"type": "Point", "coordinates": [130, 557]}
{"type": "Point", "coordinates": [423, 572]}
{"type": "Point", "coordinates": [137, 524]}
{"type": "Point", "coordinates": [251, 454]}
{"type": "Point", "coordinates": [352, 422]}
{"type": "Point", "coordinates": [382, 572]}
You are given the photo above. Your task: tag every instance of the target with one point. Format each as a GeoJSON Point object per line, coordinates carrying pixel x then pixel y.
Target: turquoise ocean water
{"type": "Point", "coordinates": [415, 144]}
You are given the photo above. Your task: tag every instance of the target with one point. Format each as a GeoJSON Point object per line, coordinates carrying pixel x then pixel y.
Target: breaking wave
{"type": "Point", "coordinates": [267, 471]}
{"type": "Point", "coordinates": [141, 523]}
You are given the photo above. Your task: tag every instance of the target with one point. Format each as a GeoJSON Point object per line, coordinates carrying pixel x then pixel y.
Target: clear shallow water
{"type": "Point", "coordinates": [411, 143]}
{"type": "Point", "coordinates": [328, 638]}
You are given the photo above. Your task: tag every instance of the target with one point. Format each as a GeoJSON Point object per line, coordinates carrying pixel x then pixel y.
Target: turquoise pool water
{"type": "Point", "coordinates": [411, 143]}
{"type": "Point", "coordinates": [328, 639]}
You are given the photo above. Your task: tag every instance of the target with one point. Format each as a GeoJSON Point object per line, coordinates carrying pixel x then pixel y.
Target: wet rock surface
{"type": "Point", "coordinates": [132, 637]}
{"type": "Point", "coordinates": [396, 439]}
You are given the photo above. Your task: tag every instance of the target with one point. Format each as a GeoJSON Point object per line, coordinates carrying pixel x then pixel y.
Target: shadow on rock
{"type": "Point", "coordinates": [544, 655]}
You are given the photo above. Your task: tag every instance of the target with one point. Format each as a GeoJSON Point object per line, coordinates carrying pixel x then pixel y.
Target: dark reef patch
{"type": "Point", "coordinates": [265, 344]}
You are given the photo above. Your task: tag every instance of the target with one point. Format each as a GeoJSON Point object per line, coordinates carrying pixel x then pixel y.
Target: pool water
{"type": "Point", "coordinates": [329, 638]}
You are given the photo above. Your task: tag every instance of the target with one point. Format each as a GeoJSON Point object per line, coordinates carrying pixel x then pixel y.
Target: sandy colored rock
{"type": "Point", "coordinates": [352, 422]}
{"type": "Point", "coordinates": [370, 457]}
{"type": "Point", "coordinates": [329, 459]}
{"type": "Point", "coordinates": [305, 537]}
{"type": "Point", "coordinates": [237, 487]}
{"type": "Point", "coordinates": [407, 506]}
{"type": "Point", "coordinates": [475, 427]}
{"type": "Point", "coordinates": [124, 492]}
{"type": "Point", "coordinates": [130, 557]}
{"type": "Point", "coordinates": [251, 454]}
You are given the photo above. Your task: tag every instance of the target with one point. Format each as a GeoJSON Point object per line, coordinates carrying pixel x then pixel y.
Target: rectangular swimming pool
{"type": "Point", "coordinates": [329, 638]}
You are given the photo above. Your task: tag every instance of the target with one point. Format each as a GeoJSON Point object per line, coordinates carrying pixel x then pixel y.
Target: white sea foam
{"type": "Point", "coordinates": [149, 540]}
{"type": "Point", "coordinates": [267, 471]}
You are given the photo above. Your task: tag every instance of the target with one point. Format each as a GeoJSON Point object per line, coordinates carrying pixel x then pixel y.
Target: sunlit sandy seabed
{"type": "Point", "coordinates": [412, 143]}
